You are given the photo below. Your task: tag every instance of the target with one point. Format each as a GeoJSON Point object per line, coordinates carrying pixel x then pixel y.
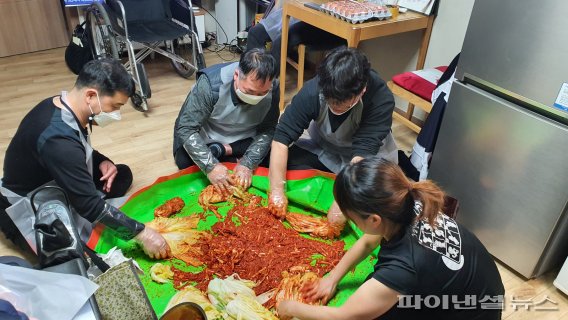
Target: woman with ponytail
{"type": "Point", "coordinates": [429, 266]}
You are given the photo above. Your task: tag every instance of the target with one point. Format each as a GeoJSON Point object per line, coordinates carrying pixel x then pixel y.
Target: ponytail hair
{"type": "Point", "coordinates": [377, 186]}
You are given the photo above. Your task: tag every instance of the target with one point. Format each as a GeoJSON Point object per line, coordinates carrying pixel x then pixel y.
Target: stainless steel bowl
{"type": "Point", "coordinates": [185, 311]}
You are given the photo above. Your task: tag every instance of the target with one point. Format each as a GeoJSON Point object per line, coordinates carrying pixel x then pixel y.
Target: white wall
{"type": "Point", "coordinates": [210, 24]}
{"type": "Point", "coordinates": [399, 53]}
{"type": "Point", "coordinates": [246, 9]}
{"type": "Point", "coordinates": [449, 31]}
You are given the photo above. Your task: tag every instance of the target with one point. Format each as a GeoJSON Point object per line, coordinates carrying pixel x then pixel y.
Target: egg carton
{"type": "Point", "coordinates": [356, 12]}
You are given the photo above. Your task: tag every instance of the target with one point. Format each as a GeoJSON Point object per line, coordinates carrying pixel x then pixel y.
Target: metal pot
{"type": "Point", "coordinates": [185, 311]}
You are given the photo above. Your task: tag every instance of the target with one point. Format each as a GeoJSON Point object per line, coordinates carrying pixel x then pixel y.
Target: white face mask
{"type": "Point", "coordinates": [249, 98]}
{"type": "Point", "coordinates": [340, 113]}
{"type": "Point", "coordinates": [105, 118]}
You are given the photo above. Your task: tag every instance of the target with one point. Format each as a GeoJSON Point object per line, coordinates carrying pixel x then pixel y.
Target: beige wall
{"type": "Point", "coordinates": [396, 54]}
{"type": "Point", "coordinates": [449, 30]}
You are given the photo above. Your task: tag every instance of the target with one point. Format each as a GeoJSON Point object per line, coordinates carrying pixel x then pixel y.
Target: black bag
{"type": "Point", "coordinates": [79, 50]}
{"type": "Point", "coordinates": [57, 240]}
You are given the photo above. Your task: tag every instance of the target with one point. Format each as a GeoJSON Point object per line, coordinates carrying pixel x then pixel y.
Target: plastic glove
{"type": "Point", "coordinates": [243, 176]}
{"type": "Point", "coordinates": [335, 216]}
{"type": "Point", "coordinates": [219, 177]}
{"type": "Point", "coordinates": [322, 289]}
{"type": "Point", "coordinates": [153, 244]}
{"type": "Point", "coordinates": [278, 203]}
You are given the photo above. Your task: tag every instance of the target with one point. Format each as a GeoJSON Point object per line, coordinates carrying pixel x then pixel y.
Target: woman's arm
{"type": "Point", "coordinates": [360, 250]}
{"type": "Point", "coordinates": [370, 301]}
{"type": "Point", "coordinates": [325, 288]}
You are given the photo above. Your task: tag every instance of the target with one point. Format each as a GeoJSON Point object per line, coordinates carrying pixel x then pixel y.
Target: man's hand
{"type": "Point", "coordinates": [108, 171]}
{"type": "Point", "coordinates": [243, 176]}
{"type": "Point", "coordinates": [278, 203]}
{"type": "Point", "coordinates": [153, 244]}
{"type": "Point", "coordinates": [219, 177]}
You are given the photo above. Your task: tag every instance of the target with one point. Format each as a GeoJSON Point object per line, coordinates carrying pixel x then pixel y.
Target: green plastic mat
{"type": "Point", "coordinates": [308, 191]}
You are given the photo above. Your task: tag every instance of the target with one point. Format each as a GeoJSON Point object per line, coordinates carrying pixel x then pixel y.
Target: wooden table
{"type": "Point", "coordinates": [353, 33]}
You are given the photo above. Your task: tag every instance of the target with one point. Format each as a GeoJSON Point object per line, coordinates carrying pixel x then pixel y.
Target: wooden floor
{"type": "Point", "coordinates": [144, 142]}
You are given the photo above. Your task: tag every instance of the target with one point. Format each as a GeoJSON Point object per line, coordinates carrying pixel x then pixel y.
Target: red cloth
{"type": "Point", "coordinates": [420, 82]}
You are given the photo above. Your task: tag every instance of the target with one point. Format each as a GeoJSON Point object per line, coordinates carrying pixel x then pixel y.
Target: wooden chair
{"type": "Point", "coordinates": [413, 100]}
{"type": "Point", "coordinates": [299, 65]}
{"type": "Point", "coordinates": [416, 88]}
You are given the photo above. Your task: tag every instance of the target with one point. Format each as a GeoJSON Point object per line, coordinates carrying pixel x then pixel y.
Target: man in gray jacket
{"type": "Point", "coordinates": [229, 116]}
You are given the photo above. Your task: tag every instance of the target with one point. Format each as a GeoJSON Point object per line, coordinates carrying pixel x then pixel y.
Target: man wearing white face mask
{"type": "Point", "coordinates": [347, 111]}
{"type": "Point", "coordinates": [229, 116]}
{"type": "Point", "coordinates": [52, 147]}
{"type": "Point", "coordinates": [103, 118]}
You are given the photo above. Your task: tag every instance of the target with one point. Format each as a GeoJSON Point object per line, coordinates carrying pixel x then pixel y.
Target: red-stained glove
{"type": "Point", "coordinates": [278, 203]}
{"type": "Point", "coordinates": [219, 177]}
{"type": "Point", "coordinates": [242, 176]}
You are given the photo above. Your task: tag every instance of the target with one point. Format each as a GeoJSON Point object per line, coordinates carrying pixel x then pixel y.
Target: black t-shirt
{"type": "Point", "coordinates": [447, 267]}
